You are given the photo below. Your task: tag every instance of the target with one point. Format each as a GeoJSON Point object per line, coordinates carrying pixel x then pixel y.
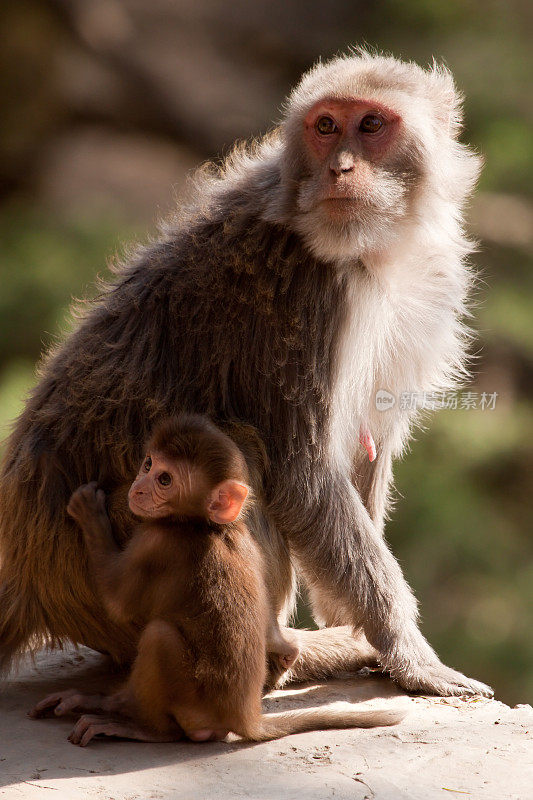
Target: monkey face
{"type": "Point", "coordinates": [168, 487]}
{"type": "Point", "coordinates": [358, 176]}
{"type": "Point", "coordinates": [339, 134]}
{"type": "Point", "coordinates": [164, 487]}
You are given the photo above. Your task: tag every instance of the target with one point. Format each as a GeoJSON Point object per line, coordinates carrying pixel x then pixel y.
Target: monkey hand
{"type": "Point", "coordinates": [87, 502]}
{"type": "Point", "coordinates": [88, 507]}
{"type": "Point", "coordinates": [438, 679]}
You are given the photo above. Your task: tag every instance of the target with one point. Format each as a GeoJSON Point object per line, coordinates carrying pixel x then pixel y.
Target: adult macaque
{"type": "Point", "coordinates": [317, 267]}
{"type": "Point", "coordinates": [192, 578]}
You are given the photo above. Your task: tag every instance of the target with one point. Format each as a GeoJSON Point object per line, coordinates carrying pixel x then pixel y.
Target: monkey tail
{"type": "Point", "coordinates": [274, 726]}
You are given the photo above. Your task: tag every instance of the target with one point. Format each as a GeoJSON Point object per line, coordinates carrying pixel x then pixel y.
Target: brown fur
{"type": "Point", "coordinates": [197, 591]}
{"type": "Point", "coordinates": [254, 307]}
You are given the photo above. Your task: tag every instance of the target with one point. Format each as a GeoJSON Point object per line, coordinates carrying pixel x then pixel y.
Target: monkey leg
{"type": "Point", "coordinates": [160, 701]}
{"type": "Point", "coordinates": [328, 652]}
{"type": "Point", "coordinates": [282, 651]}
{"type": "Point", "coordinates": [57, 607]}
{"type": "Point", "coordinates": [162, 691]}
{"type": "Point", "coordinates": [283, 646]}
{"type": "Point", "coordinates": [89, 726]}
{"type": "Point", "coordinates": [323, 653]}
{"type": "Point", "coordinates": [347, 561]}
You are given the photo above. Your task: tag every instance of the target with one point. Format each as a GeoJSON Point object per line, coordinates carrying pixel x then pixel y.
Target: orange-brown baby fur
{"type": "Point", "coordinates": [202, 656]}
{"type": "Point", "coordinates": [193, 578]}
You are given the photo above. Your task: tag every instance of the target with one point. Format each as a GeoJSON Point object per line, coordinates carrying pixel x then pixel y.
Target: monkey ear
{"type": "Point", "coordinates": [226, 501]}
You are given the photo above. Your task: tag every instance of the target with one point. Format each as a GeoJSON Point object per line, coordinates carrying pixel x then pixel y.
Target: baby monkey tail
{"type": "Point", "coordinates": [274, 726]}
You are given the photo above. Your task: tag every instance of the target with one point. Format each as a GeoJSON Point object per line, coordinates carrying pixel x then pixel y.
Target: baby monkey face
{"type": "Point", "coordinates": [167, 487]}
{"type": "Point", "coordinates": [163, 487]}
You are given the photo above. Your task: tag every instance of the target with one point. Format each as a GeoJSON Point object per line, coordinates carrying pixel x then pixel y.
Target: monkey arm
{"type": "Point", "coordinates": [117, 580]}
{"type": "Point", "coordinates": [87, 506]}
{"type": "Point", "coordinates": [123, 578]}
{"type": "Point", "coordinates": [117, 575]}
{"type": "Point", "coordinates": [350, 567]}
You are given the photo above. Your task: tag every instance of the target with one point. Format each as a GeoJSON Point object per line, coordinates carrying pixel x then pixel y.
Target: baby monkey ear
{"type": "Point", "coordinates": [226, 501]}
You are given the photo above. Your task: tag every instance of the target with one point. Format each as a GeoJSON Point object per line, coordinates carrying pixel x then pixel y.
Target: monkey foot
{"type": "Point", "coordinates": [438, 679]}
{"type": "Point", "coordinates": [286, 661]}
{"type": "Point", "coordinates": [69, 702]}
{"type": "Point", "coordinates": [88, 727]}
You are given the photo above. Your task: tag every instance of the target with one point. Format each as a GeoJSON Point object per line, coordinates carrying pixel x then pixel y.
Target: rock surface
{"type": "Point", "coordinates": [444, 748]}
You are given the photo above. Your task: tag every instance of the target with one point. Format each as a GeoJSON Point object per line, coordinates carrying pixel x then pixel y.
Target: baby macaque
{"type": "Point", "coordinates": [192, 579]}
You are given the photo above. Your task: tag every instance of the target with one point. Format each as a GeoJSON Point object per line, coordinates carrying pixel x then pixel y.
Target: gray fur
{"type": "Point", "coordinates": [253, 308]}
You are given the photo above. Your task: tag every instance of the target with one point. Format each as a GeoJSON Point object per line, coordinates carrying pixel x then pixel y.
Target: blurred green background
{"type": "Point", "coordinates": [108, 104]}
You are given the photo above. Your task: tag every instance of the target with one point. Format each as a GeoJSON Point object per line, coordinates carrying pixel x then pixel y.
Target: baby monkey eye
{"type": "Point", "coordinates": [165, 479]}
{"type": "Point", "coordinates": [147, 466]}
{"type": "Point", "coordinates": [370, 124]}
{"type": "Point", "coordinates": [326, 126]}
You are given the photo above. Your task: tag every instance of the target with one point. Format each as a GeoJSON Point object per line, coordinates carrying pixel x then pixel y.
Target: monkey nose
{"type": "Point", "coordinates": [134, 492]}
{"type": "Point", "coordinates": [342, 166]}
{"type": "Point", "coordinates": [340, 171]}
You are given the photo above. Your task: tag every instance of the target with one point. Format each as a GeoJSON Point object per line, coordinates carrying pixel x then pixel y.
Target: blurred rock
{"type": "Point", "coordinates": [97, 170]}
{"type": "Point", "coordinates": [29, 100]}
{"type": "Point", "coordinates": [209, 71]}
{"type": "Point", "coordinates": [89, 89]}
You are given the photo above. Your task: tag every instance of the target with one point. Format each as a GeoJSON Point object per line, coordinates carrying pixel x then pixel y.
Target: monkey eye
{"type": "Point", "coordinates": [325, 126]}
{"type": "Point", "coordinates": [165, 479]}
{"type": "Point", "coordinates": [147, 466]}
{"type": "Point", "coordinates": [371, 124]}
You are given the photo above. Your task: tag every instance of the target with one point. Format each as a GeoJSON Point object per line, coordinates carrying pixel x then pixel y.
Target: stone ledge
{"type": "Point", "coordinates": [445, 748]}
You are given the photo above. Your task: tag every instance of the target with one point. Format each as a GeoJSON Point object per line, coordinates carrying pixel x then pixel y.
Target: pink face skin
{"type": "Point", "coordinates": [344, 141]}
{"type": "Point", "coordinates": [157, 489]}
{"type": "Point", "coordinates": [165, 488]}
